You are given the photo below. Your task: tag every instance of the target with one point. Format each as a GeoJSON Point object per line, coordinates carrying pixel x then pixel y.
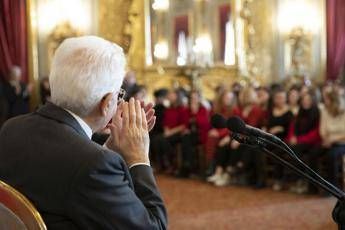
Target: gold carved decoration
{"type": "Point", "coordinates": [300, 42]}
{"type": "Point", "coordinates": [58, 35]}
{"type": "Point", "coordinates": [258, 39]}
{"type": "Point", "coordinates": [135, 30]}
{"type": "Point", "coordinates": [113, 19]}
{"type": "Point", "coordinates": [122, 22]}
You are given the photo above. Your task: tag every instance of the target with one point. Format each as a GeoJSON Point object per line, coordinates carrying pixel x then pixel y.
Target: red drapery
{"type": "Point", "coordinates": [13, 36]}
{"type": "Point", "coordinates": [335, 38]}
{"type": "Point", "coordinates": [224, 16]}
{"type": "Point", "coordinates": [181, 25]}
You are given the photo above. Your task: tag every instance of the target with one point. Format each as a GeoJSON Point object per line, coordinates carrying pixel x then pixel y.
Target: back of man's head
{"type": "Point", "coordinates": [84, 70]}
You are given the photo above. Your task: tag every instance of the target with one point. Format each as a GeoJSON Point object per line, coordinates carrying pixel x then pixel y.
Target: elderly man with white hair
{"type": "Point", "coordinates": [49, 157]}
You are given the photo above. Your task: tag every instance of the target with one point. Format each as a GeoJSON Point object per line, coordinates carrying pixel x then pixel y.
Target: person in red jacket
{"type": "Point", "coordinates": [195, 134]}
{"type": "Point", "coordinates": [174, 124]}
{"type": "Point", "coordinates": [247, 162]}
{"type": "Point", "coordinates": [304, 133]}
{"type": "Point", "coordinates": [223, 104]}
{"type": "Point", "coordinates": [231, 156]}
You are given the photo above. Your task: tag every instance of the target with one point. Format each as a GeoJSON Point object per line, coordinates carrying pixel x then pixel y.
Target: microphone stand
{"type": "Point", "coordinates": [338, 213]}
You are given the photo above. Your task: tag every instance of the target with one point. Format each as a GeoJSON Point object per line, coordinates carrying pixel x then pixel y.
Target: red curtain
{"type": "Point", "coordinates": [224, 16]}
{"type": "Point", "coordinates": [13, 36]}
{"type": "Point", "coordinates": [181, 25]}
{"type": "Point", "coordinates": [335, 38]}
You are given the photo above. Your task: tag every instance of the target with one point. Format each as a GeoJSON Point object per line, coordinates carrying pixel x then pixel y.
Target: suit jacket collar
{"type": "Point", "coordinates": [52, 111]}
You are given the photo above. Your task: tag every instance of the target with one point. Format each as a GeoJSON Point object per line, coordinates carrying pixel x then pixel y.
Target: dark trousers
{"type": "Point", "coordinates": [189, 150]}
{"type": "Point", "coordinates": [335, 154]}
{"type": "Point", "coordinates": [252, 161]}
{"type": "Point", "coordinates": [164, 150]}
{"type": "Point", "coordinates": [223, 156]}
{"type": "Point", "coordinates": [311, 156]}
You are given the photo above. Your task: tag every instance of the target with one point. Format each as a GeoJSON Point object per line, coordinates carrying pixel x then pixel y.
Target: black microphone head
{"type": "Point", "coordinates": [218, 121]}
{"type": "Point", "coordinates": [236, 124]}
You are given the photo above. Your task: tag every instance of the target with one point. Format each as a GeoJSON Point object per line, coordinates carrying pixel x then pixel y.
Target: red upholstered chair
{"type": "Point", "coordinates": [20, 206]}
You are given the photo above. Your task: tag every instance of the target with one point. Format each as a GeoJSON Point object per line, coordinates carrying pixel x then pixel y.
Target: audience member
{"type": "Point", "coordinates": [129, 84]}
{"type": "Point", "coordinates": [263, 98]}
{"type": "Point", "coordinates": [223, 104]}
{"type": "Point", "coordinates": [279, 119]}
{"type": "Point", "coordinates": [45, 90]}
{"type": "Point", "coordinates": [174, 123]}
{"type": "Point", "coordinates": [138, 92]}
{"type": "Point", "coordinates": [293, 100]}
{"type": "Point", "coordinates": [245, 160]}
{"type": "Point", "coordinates": [195, 134]}
{"type": "Point", "coordinates": [157, 132]}
{"type": "Point", "coordinates": [239, 158]}
{"type": "Point", "coordinates": [332, 129]}
{"type": "Point", "coordinates": [304, 133]}
{"type": "Point", "coordinates": [236, 88]}
{"type": "Point", "coordinates": [17, 93]}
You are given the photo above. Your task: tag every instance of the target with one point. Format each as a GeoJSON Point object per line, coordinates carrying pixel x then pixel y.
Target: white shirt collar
{"type": "Point", "coordinates": [82, 123]}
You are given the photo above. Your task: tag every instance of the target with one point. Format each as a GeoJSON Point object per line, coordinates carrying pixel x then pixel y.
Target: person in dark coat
{"type": "Point", "coordinates": [74, 182]}
{"type": "Point", "coordinates": [17, 93]}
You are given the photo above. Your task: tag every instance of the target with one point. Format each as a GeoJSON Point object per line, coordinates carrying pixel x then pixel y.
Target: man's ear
{"type": "Point", "coordinates": [106, 104]}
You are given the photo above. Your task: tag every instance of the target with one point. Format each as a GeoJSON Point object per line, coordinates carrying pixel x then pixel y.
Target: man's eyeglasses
{"type": "Point", "coordinates": [121, 95]}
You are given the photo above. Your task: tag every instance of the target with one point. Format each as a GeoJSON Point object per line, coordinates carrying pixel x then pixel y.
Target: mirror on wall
{"type": "Point", "coordinates": [190, 33]}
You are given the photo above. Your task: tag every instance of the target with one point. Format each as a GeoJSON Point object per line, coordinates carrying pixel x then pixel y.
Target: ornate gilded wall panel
{"type": "Point", "coordinates": [262, 39]}
{"type": "Point", "coordinates": [113, 17]}
{"type": "Point", "coordinates": [122, 21]}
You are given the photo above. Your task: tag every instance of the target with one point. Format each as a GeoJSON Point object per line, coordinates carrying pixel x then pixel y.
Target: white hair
{"type": "Point", "coordinates": [84, 70]}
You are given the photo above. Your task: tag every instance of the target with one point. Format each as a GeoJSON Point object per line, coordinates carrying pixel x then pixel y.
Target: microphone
{"type": "Point", "coordinates": [218, 121]}
{"type": "Point", "coordinates": [237, 125]}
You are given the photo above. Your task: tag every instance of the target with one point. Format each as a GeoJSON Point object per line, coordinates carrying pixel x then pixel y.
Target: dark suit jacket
{"type": "Point", "coordinates": [73, 182]}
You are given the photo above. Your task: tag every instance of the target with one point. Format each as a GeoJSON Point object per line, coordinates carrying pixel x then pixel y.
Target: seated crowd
{"type": "Point", "coordinates": [311, 120]}
{"type": "Point", "coordinates": [185, 144]}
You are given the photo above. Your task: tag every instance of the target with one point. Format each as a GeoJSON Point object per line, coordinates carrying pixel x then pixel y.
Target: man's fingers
{"type": "Point", "coordinates": [117, 119]}
{"type": "Point", "coordinates": [138, 113]}
{"type": "Point", "coordinates": [148, 107]}
{"type": "Point", "coordinates": [142, 104]}
{"type": "Point", "coordinates": [151, 123]}
{"type": "Point", "coordinates": [118, 113]}
{"type": "Point", "coordinates": [132, 113]}
{"type": "Point", "coordinates": [111, 126]}
{"type": "Point", "coordinates": [150, 114]}
{"type": "Point", "coordinates": [144, 121]}
{"type": "Point", "coordinates": [125, 115]}
{"type": "Point", "coordinates": [151, 119]}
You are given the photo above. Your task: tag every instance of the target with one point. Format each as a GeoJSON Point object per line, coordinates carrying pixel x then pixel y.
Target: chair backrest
{"type": "Point", "coordinates": [21, 207]}
{"type": "Point", "coordinates": [8, 220]}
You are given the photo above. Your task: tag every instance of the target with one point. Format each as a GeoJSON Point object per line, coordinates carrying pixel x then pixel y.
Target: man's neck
{"type": "Point", "coordinates": [90, 122]}
{"type": "Point", "coordinates": [85, 125]}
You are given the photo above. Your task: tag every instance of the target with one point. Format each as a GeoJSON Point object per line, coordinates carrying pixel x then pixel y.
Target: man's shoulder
{"type": "Point", "coordinates": [50, 134]}
{"type": "Point", "coordinates": [15, 122]}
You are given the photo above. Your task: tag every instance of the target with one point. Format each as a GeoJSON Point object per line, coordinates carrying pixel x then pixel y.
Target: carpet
{"type": "Point", "coordinates": [194, 204]}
